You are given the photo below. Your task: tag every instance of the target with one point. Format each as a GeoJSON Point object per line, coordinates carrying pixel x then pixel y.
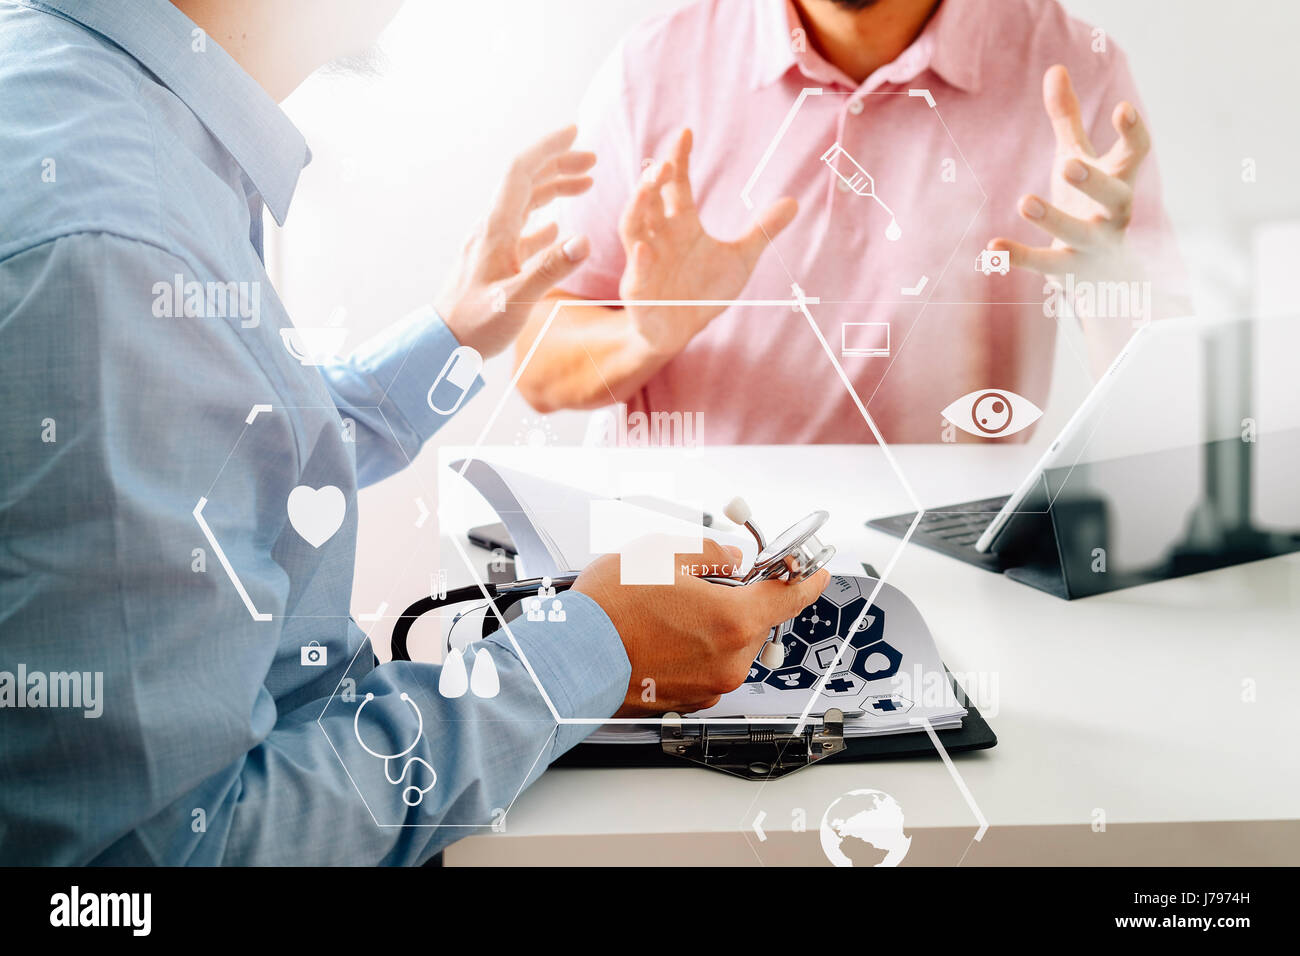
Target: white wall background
{"type": "Point", "coordinates": [406, 163]}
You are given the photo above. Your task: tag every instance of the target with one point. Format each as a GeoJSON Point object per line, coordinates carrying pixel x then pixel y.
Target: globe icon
{"type": "Point", "coordinates": [864, 828]}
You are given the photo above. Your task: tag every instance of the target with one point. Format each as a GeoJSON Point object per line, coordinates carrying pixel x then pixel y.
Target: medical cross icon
{"type": "Point", "coordinates": [645, 539]}
{"type": "Point", "coordinates": [886, 705]}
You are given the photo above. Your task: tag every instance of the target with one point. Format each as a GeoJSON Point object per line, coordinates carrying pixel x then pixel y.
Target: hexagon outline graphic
{"type": "Point", "coordinates": [261, 616]}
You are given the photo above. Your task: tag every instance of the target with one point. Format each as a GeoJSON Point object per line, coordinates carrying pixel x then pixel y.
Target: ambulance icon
{"type": "Point", "coordinates": [993, 260]}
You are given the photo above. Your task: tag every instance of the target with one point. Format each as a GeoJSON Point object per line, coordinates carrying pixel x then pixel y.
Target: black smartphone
{"type": "Point", "coordinates": [493, 536]}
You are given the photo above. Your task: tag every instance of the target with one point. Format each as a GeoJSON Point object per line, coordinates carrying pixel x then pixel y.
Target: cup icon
{"type": "Point", "coordinates": [313, 346]}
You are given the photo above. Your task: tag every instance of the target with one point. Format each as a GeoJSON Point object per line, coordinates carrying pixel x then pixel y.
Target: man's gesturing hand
{"type": "Point", "coordinates": [1092, 196]}
{"type": "Point", "coordinates": [694, 639]}
{"type": "Point", "coordinates": [670, 256]}
{"type": "Point", "coordinates": [503, 273]}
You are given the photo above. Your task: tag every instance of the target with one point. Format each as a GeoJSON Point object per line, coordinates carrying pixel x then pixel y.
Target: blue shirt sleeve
{"type": "Point", "coordinates": [213, 744]}
{"type": "Point", "coordinates": [384, 387]}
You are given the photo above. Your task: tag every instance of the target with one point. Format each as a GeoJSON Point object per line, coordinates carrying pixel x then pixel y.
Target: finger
{"type": "Point", "coordinates": [1063, 110]}
{"type": "Point", "coordinates": [553, 189]}
{"type": "Point", "coordinates": [1035, 259]}
{"type": "Point", "coordinates": [544, 150]}
{"type": "Point", "coordinates": [572, 163]}
{"type": "Point", "coordinates": [713, 559]}
{"type": "Point", "coordinates": [770, 224]}
{"type": "Point", "coordinates": [1060, 225]}
{"type": "Point", "coordinates": [1114, 195]}
{"type": "Point", "coordinates": [1125, 157]}
{"type": "Point", "coordinates": [646, 211]}
{"type": "Point", "coordinates": [679, 195]}
{"type": "Point", "coordinates": [543, 271]}
{"type": "Point", "coordinates": [772, 602]}
{"type": "Point", "coordinates": [508, 208]}
{"type": "Point", "coordinates": [535, 242]}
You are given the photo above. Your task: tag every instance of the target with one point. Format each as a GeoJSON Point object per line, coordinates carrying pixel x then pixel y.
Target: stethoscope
{"type": "Point", "coordinates": [411, 794]}
{"type": "Point", "coordinates": [794, 555]}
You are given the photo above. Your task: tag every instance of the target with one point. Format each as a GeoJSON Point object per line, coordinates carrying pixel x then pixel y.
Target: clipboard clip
{"type": "Point", "coordinates": [755, 750]}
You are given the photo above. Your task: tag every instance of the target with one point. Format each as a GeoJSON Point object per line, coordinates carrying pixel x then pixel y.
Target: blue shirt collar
{"type": "Point", "coordinates": [229, 102]}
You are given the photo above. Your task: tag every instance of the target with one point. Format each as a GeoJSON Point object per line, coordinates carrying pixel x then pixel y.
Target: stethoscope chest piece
{"type": "Point", "coordinates": [794, 555]}
{"type": "Point", "coordinates": [807, 553]}
{"type": "Point", "coordinates": [799, 542]}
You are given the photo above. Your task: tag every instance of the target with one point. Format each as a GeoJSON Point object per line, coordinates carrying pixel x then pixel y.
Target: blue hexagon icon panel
{"type": "Point", "coordinates": [842, 590]}
{"type": "Point", "coordinates": [869, 630]}
{"type": "Point", "coordinates": [792, 678]}
{"type": "Point", "coordinates": [757, 673]}
{"type": "Point", "coordinates": [817, 621]}
{"type": "Point", "coordinates": [886, 705]}
{"type": "Point", "coordinates": [822, 657]}
{"type": "Point", "coordinates": [877, 662]}
{"type": "Point", "coordinates": [844, 684]}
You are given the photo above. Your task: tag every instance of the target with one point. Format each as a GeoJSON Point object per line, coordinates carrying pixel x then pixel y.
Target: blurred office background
{"type": "Point", "coordinates": [406, 162]}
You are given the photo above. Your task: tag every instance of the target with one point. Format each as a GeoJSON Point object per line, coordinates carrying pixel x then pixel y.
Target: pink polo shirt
{"type": "Point", "coordinates": [951, 175]}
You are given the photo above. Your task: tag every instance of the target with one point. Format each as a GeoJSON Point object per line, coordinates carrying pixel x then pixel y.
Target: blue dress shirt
{"type": "Point", "coordinates": [135, 160]}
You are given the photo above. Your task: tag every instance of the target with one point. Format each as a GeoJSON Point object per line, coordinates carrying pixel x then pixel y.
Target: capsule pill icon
{"type": "Point", "coordinates": [452, 385]}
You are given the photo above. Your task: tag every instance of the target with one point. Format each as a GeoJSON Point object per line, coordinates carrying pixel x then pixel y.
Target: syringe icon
{"type": "Point", "coordinates": [859, 181]}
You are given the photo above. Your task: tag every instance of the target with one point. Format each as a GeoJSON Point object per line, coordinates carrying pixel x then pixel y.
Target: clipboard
{"type": "Point", "coordinates": [754, 748]}
{"type": "Point", "coordinates": [764, 756]}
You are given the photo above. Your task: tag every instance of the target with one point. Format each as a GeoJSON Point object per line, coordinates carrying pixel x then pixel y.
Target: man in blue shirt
{"type": "Point", "coordinates": [139, 143]}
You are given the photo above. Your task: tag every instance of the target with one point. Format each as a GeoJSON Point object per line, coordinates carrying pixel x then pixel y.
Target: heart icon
{"type": "Point", "coordinates": [316, 513]}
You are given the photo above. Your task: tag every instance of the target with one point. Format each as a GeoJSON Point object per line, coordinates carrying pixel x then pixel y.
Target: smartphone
{"type": "Point", "coordinates": [493, 536]}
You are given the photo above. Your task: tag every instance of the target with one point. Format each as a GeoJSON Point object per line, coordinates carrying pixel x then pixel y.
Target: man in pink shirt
{"type": "Point", "coordinates": [957, 131]}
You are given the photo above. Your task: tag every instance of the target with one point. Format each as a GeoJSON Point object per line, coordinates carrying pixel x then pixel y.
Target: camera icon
{"type": "Point", "coordinates": [993, 260]}
{"type": "Point", "coordinates": [313, 655]}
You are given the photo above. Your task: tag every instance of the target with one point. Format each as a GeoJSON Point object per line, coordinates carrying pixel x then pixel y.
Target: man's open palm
{"type": "Point", "coordinates": [1092, 195]}
{"type": "Point", "coordinates": [671, 257]}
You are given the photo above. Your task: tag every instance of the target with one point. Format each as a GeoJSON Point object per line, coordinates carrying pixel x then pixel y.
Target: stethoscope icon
{"type": "Point", "coordinates": [411, 794]}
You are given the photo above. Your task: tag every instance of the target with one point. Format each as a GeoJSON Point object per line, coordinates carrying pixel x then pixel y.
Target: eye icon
{"type": "Point", "coordinates": [992, 413]}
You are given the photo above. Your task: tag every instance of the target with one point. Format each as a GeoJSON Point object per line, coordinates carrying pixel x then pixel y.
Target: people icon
{"type": "Point", "coordinates": [547, 590]}
{"type": "Point", "coordinates": [556, 613]}
{"type": "Point", "coordinates": [535, 612]}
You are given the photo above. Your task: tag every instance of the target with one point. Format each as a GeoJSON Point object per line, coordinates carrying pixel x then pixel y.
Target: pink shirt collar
{"type": "Point", "coordinates": [952, 45]}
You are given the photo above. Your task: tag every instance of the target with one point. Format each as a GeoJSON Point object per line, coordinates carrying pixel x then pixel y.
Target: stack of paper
{"type": "Point", "coordinates": [882, 663]}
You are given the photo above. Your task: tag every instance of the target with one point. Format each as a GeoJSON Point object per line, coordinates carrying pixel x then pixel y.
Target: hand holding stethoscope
{"type": "Point", "coordinates": [794, 555]}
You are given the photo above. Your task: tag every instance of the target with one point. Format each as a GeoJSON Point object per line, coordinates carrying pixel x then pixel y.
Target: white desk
{"type": "Point", "coordinates": [1184, 770]}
